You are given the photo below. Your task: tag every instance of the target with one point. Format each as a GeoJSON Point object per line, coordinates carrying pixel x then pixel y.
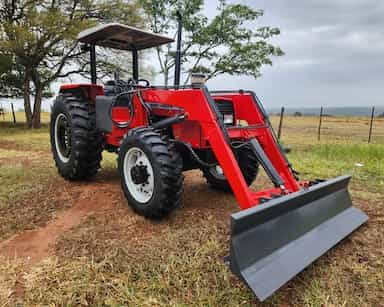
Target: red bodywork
{"type": "Point", "coordinates": [203, 131]}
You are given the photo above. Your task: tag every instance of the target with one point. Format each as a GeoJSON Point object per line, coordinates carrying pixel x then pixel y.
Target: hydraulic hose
{"type": "Point", "coordinates": [195, 157]}
{"type": "Point", "coordinates": [164, 123]}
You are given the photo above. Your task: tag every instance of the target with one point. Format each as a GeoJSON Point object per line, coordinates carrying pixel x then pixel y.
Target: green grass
{"type": "Point", "coordinates": [365, 162]}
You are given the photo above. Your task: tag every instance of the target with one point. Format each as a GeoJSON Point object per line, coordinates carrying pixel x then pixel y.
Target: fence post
{"type": "Point", "coordinates": [2, 111]}
{"type": "Point", "coordinates": [280, 123]}
{"type": "Point", "coordinates": [13, 114]}
{"type": "Point", "coordinates": [371, 125]}
{"type": "Point", "coordinates": [320, 122]}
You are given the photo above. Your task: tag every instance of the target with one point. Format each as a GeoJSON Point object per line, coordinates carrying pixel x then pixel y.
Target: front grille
{"type": "Point", "coordinates": [225, 106]}
{"type": "Point", "coordinates": [226, 110]}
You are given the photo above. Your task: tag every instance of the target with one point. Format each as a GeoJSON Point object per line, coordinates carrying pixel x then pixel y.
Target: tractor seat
{"type": "Point", "coordinates": [111, 88]}
{"type": "Point", "coordinates": [111, 99]}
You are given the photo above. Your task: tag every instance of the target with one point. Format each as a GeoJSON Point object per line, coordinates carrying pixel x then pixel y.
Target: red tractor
{"type": "Point", "coordinates": [158, 132]}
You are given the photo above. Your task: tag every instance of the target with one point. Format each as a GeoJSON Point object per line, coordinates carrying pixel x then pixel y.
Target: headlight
{"type": "Point", "coordinates": [228, 119]}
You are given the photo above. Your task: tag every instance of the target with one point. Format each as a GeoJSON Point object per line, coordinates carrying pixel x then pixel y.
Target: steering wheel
{"type": "Point", "coordinates": [147, 84]}
{"type": "Point", "coordinates": [132, 82]}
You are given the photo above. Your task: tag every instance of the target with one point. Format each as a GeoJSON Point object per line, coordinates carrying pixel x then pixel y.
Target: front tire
{"type": "Point", "coordinates": [76, 144]}
{"type": "Point", "coordinates": [248, 164]}
{"type": "Point", "coordinates": [151, 173]}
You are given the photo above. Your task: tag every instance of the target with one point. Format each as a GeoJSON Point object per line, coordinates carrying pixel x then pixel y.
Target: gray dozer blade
{"type": "Point", "coordinates": [272, 243]}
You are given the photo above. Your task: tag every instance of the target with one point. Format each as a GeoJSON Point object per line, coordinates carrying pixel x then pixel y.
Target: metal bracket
{"type": "Point", "coordinates": [266, 163]}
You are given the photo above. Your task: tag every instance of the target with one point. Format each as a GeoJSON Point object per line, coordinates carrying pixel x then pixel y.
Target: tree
{"type": "Point", "coordinates": [10, 77]}
{"type": "Point", "coordinates": [227, 44]}
{"type": "Point", "coordinates": [41, 36]}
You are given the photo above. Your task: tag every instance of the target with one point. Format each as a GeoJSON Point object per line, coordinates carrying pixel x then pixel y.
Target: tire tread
{"type": "Point", "coordinates": [87, 142]}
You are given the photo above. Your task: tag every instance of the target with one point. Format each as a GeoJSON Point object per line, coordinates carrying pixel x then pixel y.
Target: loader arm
{"type": "Point", "coordinates": [212, 133]}
{"type": "Point", "coordinates": [260, 136]}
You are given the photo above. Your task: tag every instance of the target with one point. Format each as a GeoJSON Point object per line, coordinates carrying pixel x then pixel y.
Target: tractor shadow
{"type": "Point", "coordinates": [108, 175]}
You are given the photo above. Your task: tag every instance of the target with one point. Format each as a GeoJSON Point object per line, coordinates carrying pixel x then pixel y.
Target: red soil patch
{"type": "Point", "coordinates": [36, 245]}
{"type": "Point", "coordinates": [14, 146]}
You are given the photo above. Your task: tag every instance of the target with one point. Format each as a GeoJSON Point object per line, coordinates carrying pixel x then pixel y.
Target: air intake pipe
{"type": "Point", "coordinates": [178, 50]}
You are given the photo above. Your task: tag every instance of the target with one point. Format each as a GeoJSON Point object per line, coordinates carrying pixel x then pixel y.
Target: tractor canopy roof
{"type": "Point", "coordinates": [119, 36]}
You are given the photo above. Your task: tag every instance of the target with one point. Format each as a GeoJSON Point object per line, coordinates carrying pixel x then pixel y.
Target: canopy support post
{"type": "Point", "coordinates": [135, 65]}
{"type": "Point", "coordinates": [92, 51]}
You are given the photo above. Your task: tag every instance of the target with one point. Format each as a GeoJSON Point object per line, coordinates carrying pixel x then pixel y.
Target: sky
{"type": "Point", "coordinates": [334, 53]}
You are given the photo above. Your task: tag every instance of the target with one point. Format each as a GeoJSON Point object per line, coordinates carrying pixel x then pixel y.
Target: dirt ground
{"type": "Point", "coordinates": [66, 243]}
{"type": "Point", "coordinates": [62, 209]}
{"type": "Point", "coordinates": [102, 196]}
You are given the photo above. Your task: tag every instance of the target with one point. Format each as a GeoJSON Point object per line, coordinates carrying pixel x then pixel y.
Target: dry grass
{"type": "Point", "coordinates": [339, 129]}
{"type": "Point", "coordinates": [9, 273]}
{"type": "Point", "coordinates": [20, 117]}
{"type": "Point", "coordinates": [116, 258]}
{"type": "Point", "coordinates": [183, 268]}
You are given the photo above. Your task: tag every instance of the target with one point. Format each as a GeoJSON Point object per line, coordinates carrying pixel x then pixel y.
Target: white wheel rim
{"type": "Point", "coordinates": [141, 192]}
{"type": "Point", "coordinates": [63, 158]}
{"type": "Point", "coordinates": [217, 172]}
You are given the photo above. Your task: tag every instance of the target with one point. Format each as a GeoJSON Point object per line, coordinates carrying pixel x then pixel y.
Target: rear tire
{"type": "Point", "coordinates": [248, 164]}
{"type": "Point", "coordinates": [151, 173]}
{"type": "Point", "coordinates": [75, 142]}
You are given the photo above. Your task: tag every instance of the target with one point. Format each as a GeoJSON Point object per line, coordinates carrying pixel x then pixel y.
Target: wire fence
{"type": "Point", "coordinates": [325, 126]}
{"type": "Point", "coordinates": [321, 127]}
{"type": "Point", "coordinates": [8, 115]}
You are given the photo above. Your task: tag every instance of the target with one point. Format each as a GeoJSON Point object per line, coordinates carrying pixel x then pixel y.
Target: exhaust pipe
{"type": "Point", "coordinates": [178, 50]}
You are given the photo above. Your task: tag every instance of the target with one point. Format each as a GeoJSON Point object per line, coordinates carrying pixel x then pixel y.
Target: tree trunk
{"type": "Point", "coordinates": [27, 102]}
{"type": "Point", "coordinates": [36, 123]}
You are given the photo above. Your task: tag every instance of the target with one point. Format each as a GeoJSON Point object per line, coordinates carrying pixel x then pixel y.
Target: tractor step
{"type": "Point", "coordinates": [271, 243]}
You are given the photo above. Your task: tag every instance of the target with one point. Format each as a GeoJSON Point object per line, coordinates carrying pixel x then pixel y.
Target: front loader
{"type": "Point", "coordinates": [158, 132]}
